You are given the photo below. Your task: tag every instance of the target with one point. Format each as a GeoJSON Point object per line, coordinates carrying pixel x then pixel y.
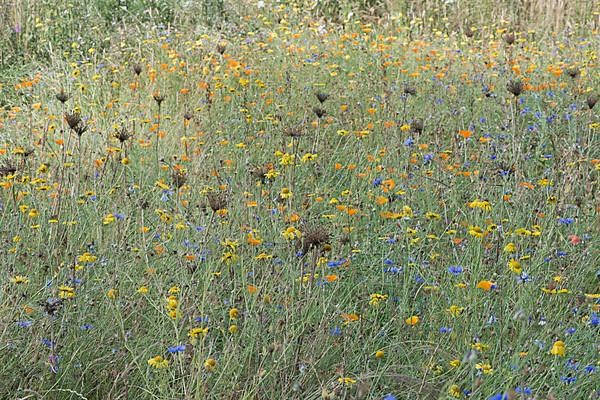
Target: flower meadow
{"type": "Point", "coordinates": [297, 209]}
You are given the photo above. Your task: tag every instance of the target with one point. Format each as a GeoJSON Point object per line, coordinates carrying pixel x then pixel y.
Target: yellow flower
{"type": "Point", "coordinates": [379, 354]}
{"type": "Point", "coordinates": [19, 279]}
{"type": "Point", "coordinates": [108, 219]}
{"type": "Point", "coordinates": [376, 298]}
{"type": "Point", "coordinates": [455, 310]}
{"type": "Point", "coordinates": [412, 320]}
{"type": "Point", "coordinates": [454, 391]}
{"type": "Point", "coordinates": [510, 248]}
{"type": "Point", "coordinates": [158, 362]}
{"type": "Point", "coordinates": [515, 266]}
{"type": "Point", "coordinates": [233, 329]}
{"type": "Point", "coordinates": [210, 364]}
{"type": "Point", "coordinates": [285, 193]}
{"type": "Point", "coordinates": [234, 313]}
{"type": "Point", "coordinates": [66, 292]}
{"type": "Point", "coordinates": [454, 363]}
{"type": "Point", "coordinates": [291, 233]}
{"type": "Point", "coordinates": [485, 368]}
{"type": "Point", "coordinates": [112, 294]}
{"type": "Point", "coordinates": [347, 381]}
{"type": "Point", "coordinates": [142, 290]}
{"type": "Point", "coordinates": [195, 333]}
{"type": "Point", "coordinates": [558, 348]}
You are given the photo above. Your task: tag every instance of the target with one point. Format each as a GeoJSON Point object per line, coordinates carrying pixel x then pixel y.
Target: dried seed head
{"type": "Point", "coordinates": [80, 129]}
{"type": "Point", "coordinates": [573, 72]}
{"type": "Point", "coordinates": [137, 69]}
{"type": "Point", "coordinates": [73, 119]}
{"type": "Point", "coordinates": [217, 200]}
{"type": "Point", "coordinates": [221, 46]}
{"type": "Point", "coordinates": [509, 38]}
{"type": "Point", "coordinates": [592, 100]}
{"type": "Point", "coordinates": [159, 98]}
{"type": "Point", "coordinates": [322, 97]}
{"type": "Point", "coordinates": [7, 169]}
{"type": "Point", "coordinates": [515, 87]}
{"type": "Point", "coordinates": [260, 172]}
{"type": "Point", "coordinates": [410, 90]}
{"type": "Point", "coordinates": [62, 96]}
{"type": "Point", "coordinates": [179, 178]}
{"type": "Point", "coordinates": [188, 115]}
{"type": "Point", "coordinates": [295, 131]}
{"type": "Point", "coordinates": [319, 112]}
{"type": "Point", "coordinates": [469, 32]}
{"type": "Point", "coordinates": [417, 125]}
{"type": "Point", "coordinates": [122, 134]}
{"type": "Point", "coordinates": [314, 237]}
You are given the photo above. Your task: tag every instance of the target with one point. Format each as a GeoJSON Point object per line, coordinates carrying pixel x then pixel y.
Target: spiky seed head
{"type": "Point", "coordinates": [122, 134]}
{"type": "Point", "coordinates": [592, 100]}
{"type": "Point", "coordinates": [159, 98]}
{"type": "Point", "coordinates": [410, 90]}
{"type": "Point", "coordinates": [509, 38]}
{"type": "Point", "coordinates": [417, 125]}
{"type": "Point", "coordinates": [73, 119]}
{"type": "Point", "coordinates": [573, 72]}
{"type": "Point", "coordinates": [179, 178]}
{"type": "Point", "coordinates": [322, 97]}
{"type": "Point", "coordinates": [515, 86]}
{"type": "Point", "coordinates": [137, 69]}
{"type": "Point", "coordinates": [314, 238]}
{"type": "Point", "coordinates": [188, 115]}
{"type": "Point", "coordinates": [62, 96]}
{"type": "Point", "coordinates": [217, 200]}
{"type": "Point", "coordinates": [221, 47]}
{"type": "Point", "coordinates": [319, 112]}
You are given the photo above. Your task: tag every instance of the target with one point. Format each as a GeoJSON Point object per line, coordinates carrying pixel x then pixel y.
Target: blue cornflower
{"type": "Point", "coordinates": [377, 181]}
{"type": "Point", "coordinates": [389, 396]}
{"type": "Point", "coordinates": [568, 379]}
{"type": "Point", "coordinates": [524, 390]}
{"type": "Point", "coordinates": [590, 369]}
{"type": "Point", "coordinates": [566, 221]}
{"type": "Point", "coordinates": [86, 327]}
{"type": "Point", "coordinates": [445, 329]}
{"type": "Point", "coordinates": [499, 396]}
{"type": "Point", "coordinates": [455, 269]}
{"type": "Point", "coordinates": [176, 349]}
{"type": "Point", "coordinates": [24, 324]}
{"type": "Point", "coordinates": [409, 142]}
{"type": "Point", "coordinates": [335, 331]}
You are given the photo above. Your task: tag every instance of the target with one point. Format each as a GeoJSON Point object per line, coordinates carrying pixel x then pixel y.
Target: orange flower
{"type": "Point", "coordinates": [486, 285]}
{"type": "Point", "coordinates": [465, 133]}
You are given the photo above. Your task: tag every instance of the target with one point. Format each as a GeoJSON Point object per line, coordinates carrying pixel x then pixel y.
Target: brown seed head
{"type": "Point", "coordinates": [322, 97]}
{"type": "Point", "coordinates": [62, 96]}
{"type": "Point", "coordinates": [314, 238]}
{"type": "Point", "coordinates": [179, 178]}
{"type": "Point", "coordinates": [221, 47]}
{"type": "Point", "coordinates": [159, 98]}
{"type": "Point", "coordinates": [573, 72]}
{"type": "Point", "coordinates": [592, 100]}
{"type": "Point", "coordinates": [509, 38]}
{"type": "Point", "coordinates": [515, 87]}
{"type": "Point", "coordinates": [73, 119]}
{"type": "Point", "coordinates": [217, 200]}
{"type": "Point", "coordinates": [122, 134]}
{"type": "Point", "coordinates": [137, 69]}
{"type": "Point", "coordinates": [319, 112]}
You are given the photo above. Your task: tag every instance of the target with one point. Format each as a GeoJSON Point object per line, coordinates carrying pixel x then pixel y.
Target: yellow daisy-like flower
{"type": "Point", "coordinates": [158, 362]}
{"type": "Point", "coordinates": [19, 279]}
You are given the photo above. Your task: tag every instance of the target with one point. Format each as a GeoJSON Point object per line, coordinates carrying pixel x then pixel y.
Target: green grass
{"type": "Point", "coordinates": [115, 249]}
